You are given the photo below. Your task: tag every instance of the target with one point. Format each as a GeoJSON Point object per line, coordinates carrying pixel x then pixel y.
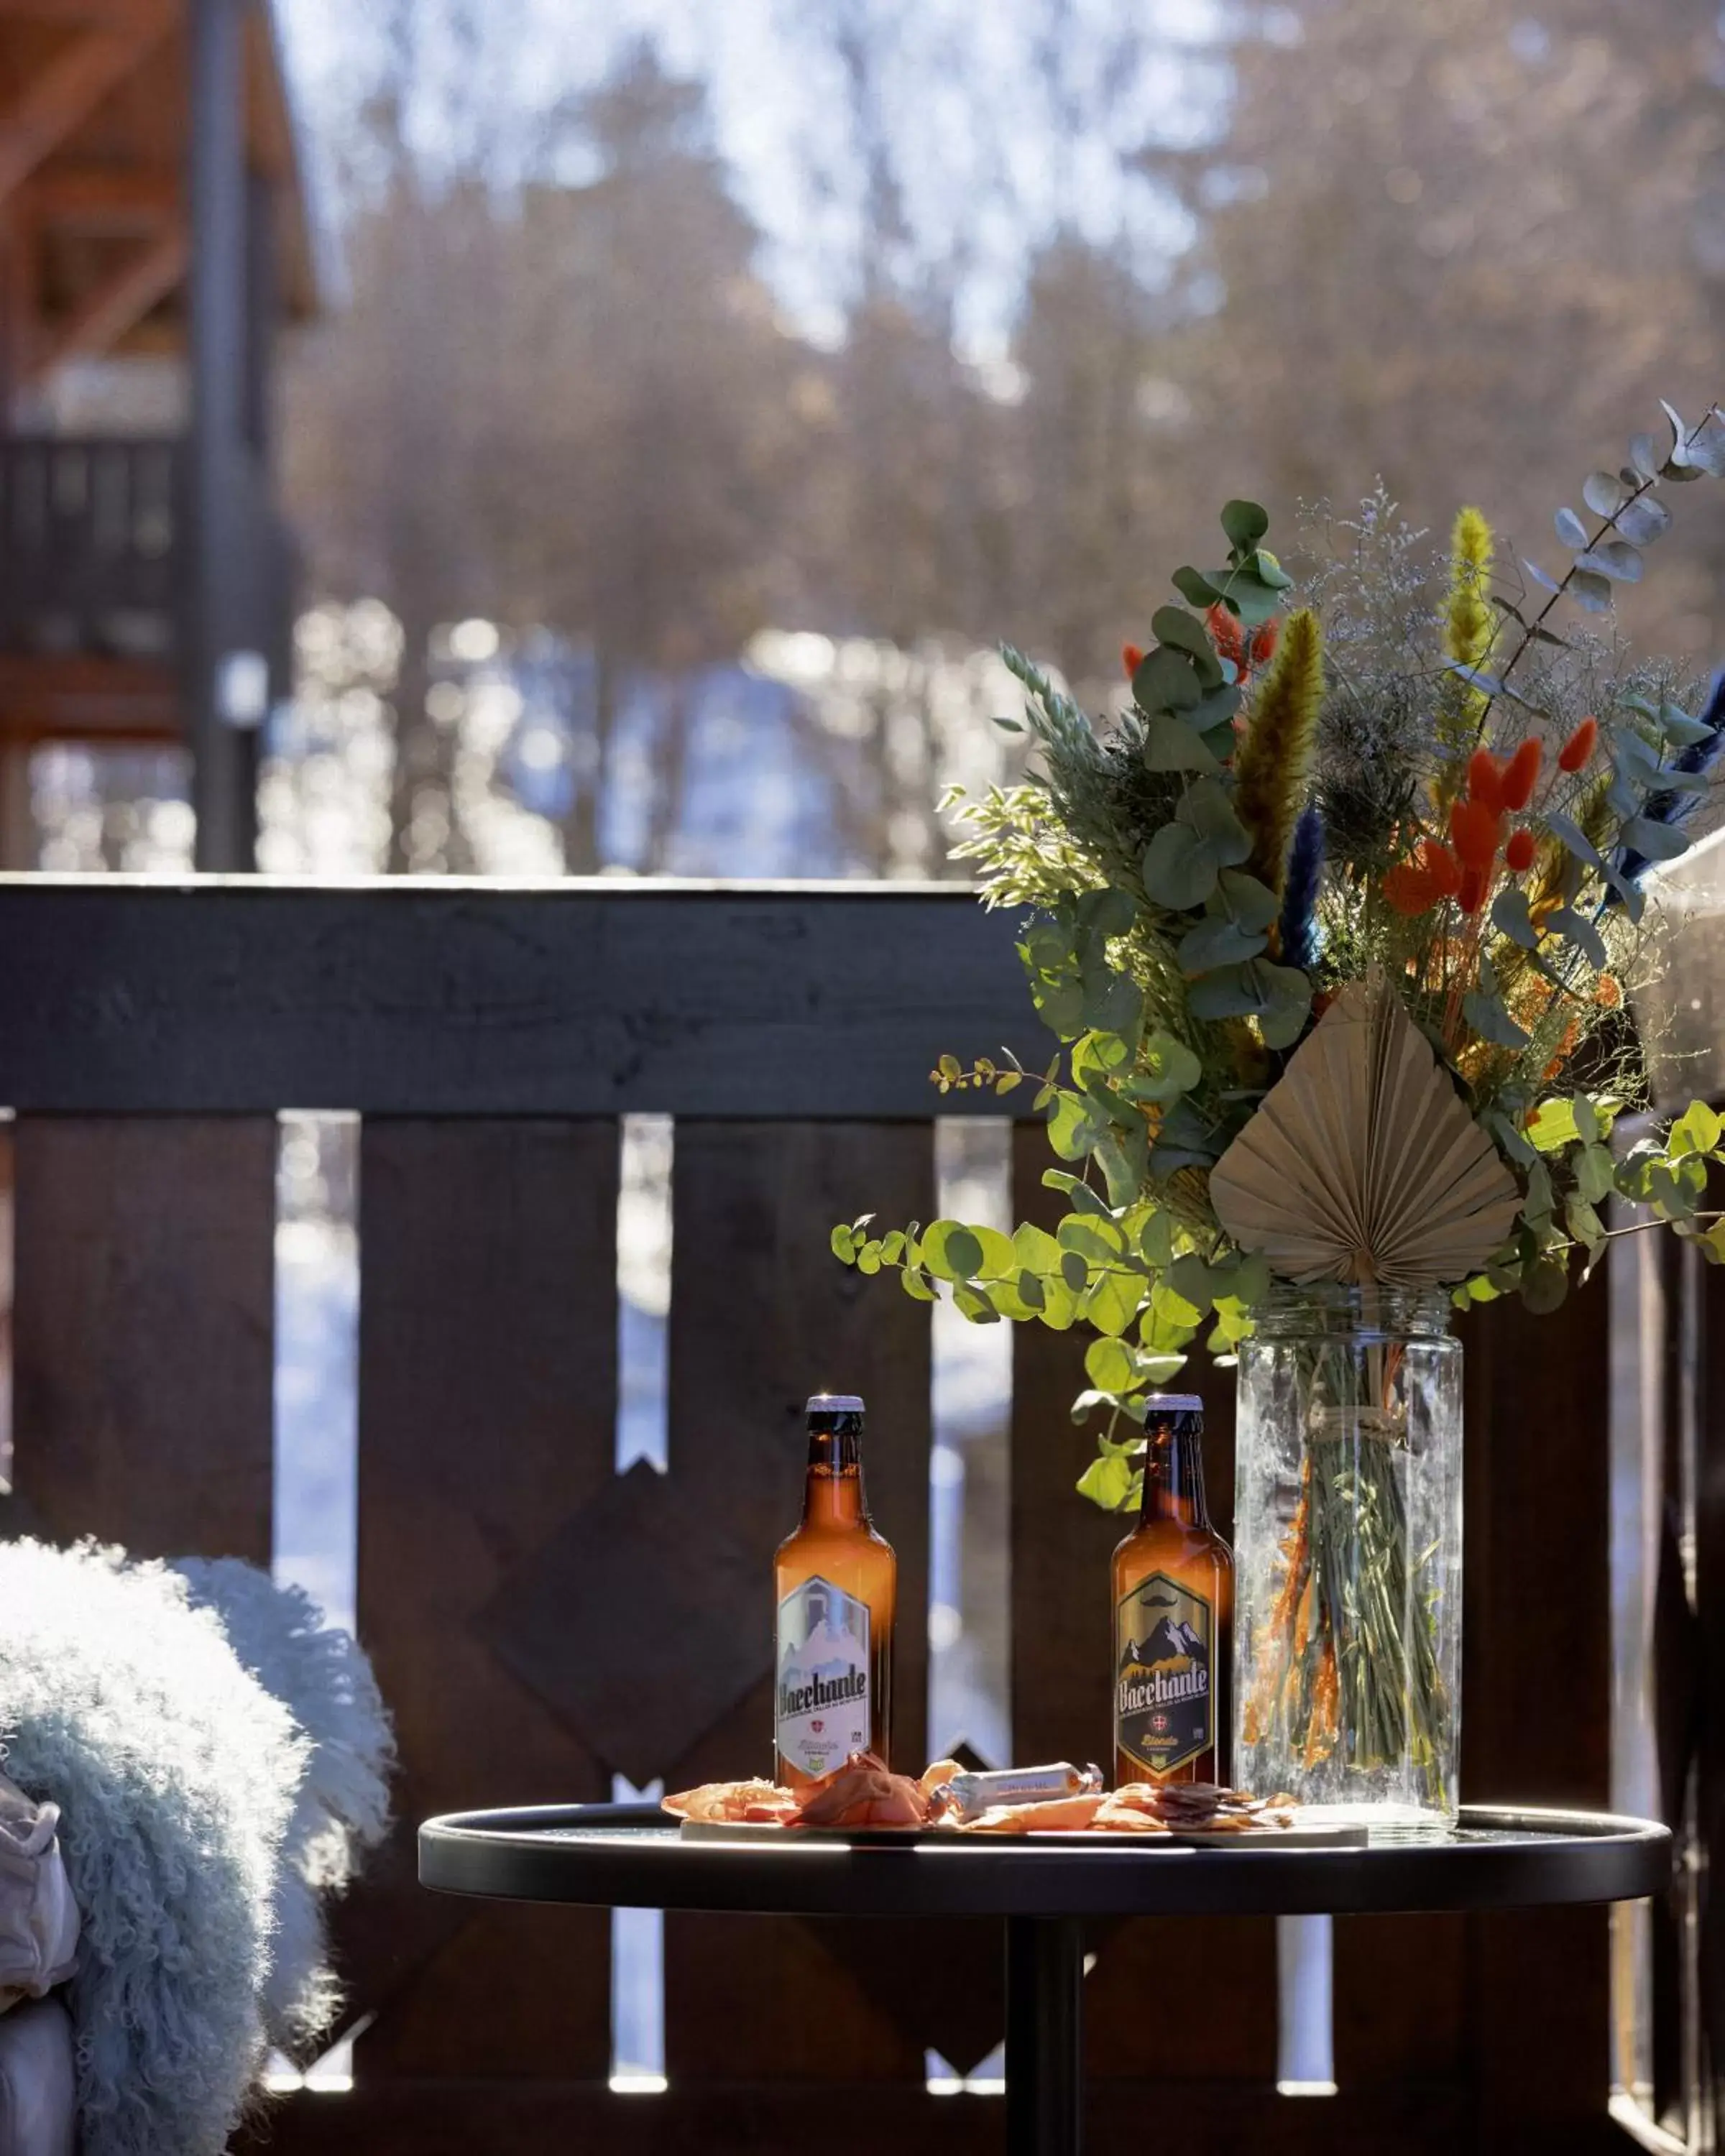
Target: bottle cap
{"type": "Point", "coordinates": [1172, 1404]}
{"type": "Point", "coordinates": [832, 1403]}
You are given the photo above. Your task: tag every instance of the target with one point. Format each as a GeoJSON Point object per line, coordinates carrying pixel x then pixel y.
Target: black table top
{"type": "Point", "coordinates": [632, 1856]}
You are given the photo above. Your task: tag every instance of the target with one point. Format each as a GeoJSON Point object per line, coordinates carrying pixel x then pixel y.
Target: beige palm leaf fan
{"type": "Point", "coordinates": [1362, 1163]}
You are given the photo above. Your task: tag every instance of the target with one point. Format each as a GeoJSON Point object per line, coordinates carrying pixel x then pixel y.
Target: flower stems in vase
{"type": "Point", "coordinates": [1348, 1691]}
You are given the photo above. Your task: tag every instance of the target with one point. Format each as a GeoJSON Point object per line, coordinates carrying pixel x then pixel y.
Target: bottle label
{"type": "Point", "coordinates": [822, 1710]}
{"type": "Point", "coordinates": [1164, 1710]}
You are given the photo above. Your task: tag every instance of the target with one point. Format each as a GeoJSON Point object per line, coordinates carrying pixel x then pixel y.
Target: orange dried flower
{"type": "Point", "coordinates": [1607, 992]}
{"type": "Point", "coordinates": [1226, 633]}
{"type": "Point", "coordinates": [1132, 658]}
{"type": "Point", "coordinates": [1485, 779]}
{"type": "Point", "coordinates": [1573, 756]}
{"type": "Point", "coordinates": [1475, 885]}
{"type": "Point", "coordinates": [1518, 853]}
{"type": "Point", "coordinates": [1265, 639]}
{"type": "Point", "coordinates": [1566, 1049]}
{"type": "Point", "coordinates": [1441, 865]}
{"type": "Point", "coordinates": [1410, 889]}
{"type": "Point", "coordinates": [1522, 776]}
{"type": "Point", "coordinates": [1475, 829]}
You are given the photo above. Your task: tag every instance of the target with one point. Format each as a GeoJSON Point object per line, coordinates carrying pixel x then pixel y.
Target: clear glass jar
{"type": "Point", "coordinates": [1348, 1550]}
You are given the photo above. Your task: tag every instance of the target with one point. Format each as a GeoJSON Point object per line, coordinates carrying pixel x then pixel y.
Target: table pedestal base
{"type": "Point", "coordinates": [1045, 2035]}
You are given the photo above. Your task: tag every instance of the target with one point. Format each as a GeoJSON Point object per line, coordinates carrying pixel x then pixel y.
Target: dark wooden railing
{"type": "Point", "coordinates": [521, 1600]}
{"type": "Point", "coordinates": [88, 529]}
{"type": "Point", "coordinates": [93, 558]}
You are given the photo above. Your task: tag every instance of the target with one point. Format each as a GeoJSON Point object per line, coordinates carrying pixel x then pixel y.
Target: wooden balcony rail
{"type": "Point", "coordinates": [517, 1592]}
{"type": "Point", "coordinates": [93, 558]}
{"type": "Point", "coordinates": [88, 531]}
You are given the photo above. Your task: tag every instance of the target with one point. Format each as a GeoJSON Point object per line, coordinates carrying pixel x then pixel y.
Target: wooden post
{"type": "Point", "coordinates": [223, 758]}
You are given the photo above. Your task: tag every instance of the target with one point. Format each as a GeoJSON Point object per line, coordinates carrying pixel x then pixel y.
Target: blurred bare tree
{"type": "Point", "coordinates": [1467, 251]}
{"type": "Point", "coordinates": [1461, 249]}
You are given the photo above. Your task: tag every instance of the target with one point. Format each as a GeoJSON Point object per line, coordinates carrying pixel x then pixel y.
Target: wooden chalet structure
{"type": "Point", "coordinates": [150, 208]}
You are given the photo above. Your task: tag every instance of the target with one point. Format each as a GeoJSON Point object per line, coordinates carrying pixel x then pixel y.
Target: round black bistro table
{"type": "Point", "coordinates": [634, 1857]}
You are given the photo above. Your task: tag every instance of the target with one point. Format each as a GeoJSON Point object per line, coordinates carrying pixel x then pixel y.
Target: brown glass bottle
{"type": "Point", "coordinates": [836, 1591]}
{"type": "Point", "coordinates": [1174, 1614]}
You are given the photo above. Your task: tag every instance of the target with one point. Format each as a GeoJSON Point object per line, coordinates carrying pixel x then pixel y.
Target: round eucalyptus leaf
{"type": "Point", "coordinates": [1604, 493]}
{"type": "Point", "coordinates": [1171, 745]}
{"type": "Point", "coordinates": [1108, 1482]}
{"type": "Point", "coordinates": [1707, 451]}
{"type": "Point", "coordinates": [1184, 632]}
{"type": "Point", "coordinates": [1217, 942]}
{"type": "Point", "coordinates": [1216, 709]}
{"type": "Point", "coordinates": [1511, 914]}
{"type": "Point", "coordinates": [1287, 1001]}
{"type": "Point", "coordinates": [1569, 528]}
{"type": "Point", "coordinates": [1193, 585]}
{"type": "Point", "coordinates": [1660, 842]}
{"type": "Point", "coordinates": [1643, 456]}
{"type": "Point", "coordinates": [1255, 600]}
{"type": "Point", "coordinates": [1179, 868]}
{"type": "Point", "coordinates": [1108, 1365]}
{"type": "Point", "coordinates": [1230, 993]}
{"type": "Point", "coordinates": [1641, 523]}
{"type": "Point", "coordinates": [1591, 591]}
{"type": "Point", "coordinates": [1173, 1069]}
{"type": "Point", "coordinates": [1108, 913]}
{"type": "Point", "coordinates": [1612, 557]}
{"type": "Point", "coordinates": [1208, 811]}
{"type": "Point", "coordinates": [1116, 1008]}
{"type": "Point", "coordinates": [951, 1250]}
{"type": "Point", "coordinates": [1577, 929]}
{"type": "Point", "coordinates": [1270, 571]}
{"type": "Point", "coordinates": [1166, 680]}
{"type": "Point", "coordinates": [1037, 1250]}
{"type": "Point", "coordinates": [1544, 1284]}
{"type": "Point", "coordinates": [1250, 904]}
{"type": "Point", "coordinates": [1246, 523]}
{"type": "Point", "coordinates": [1542, 577]}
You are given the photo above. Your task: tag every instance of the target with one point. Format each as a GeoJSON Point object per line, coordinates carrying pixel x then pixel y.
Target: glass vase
{"type": "Point", "coordinates": [1348, 1535]}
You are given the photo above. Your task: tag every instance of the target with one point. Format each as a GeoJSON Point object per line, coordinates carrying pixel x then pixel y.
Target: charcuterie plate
{"type": "Point", "coordinates": [1325, 1836]}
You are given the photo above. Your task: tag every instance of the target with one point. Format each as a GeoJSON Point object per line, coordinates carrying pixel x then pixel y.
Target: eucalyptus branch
{"type": "Point", "coordinates": [1530, 631]}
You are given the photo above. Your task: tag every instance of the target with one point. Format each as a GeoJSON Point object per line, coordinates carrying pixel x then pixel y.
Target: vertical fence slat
{"type": "Point", "coordinates": [488, 1329]}
{"type": "Point", "coordinates": [1536, 1698]}
{"type": "Point", "coordinates": [1705, 1286]}
{"type": "Point", "coordinates": [144, 1330]}
{"type": "Point", "coordinates": [761, 1316]}
{"type": "Point", "coordinates": [1062, 1665]}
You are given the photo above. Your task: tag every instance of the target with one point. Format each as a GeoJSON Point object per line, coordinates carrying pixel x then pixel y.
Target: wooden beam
{"type": "Point", "coordinates": [81, 14]}
{"type": "Point", "coordinates": [112, 198]}
{"type": "Point", "coordinates": [75, 696]}
{"type": "Point", "coordinates": [69, 89]}
{"type": "Point", "coordinates": [441, 998]}
{"type": "Point", "coordinates": [104, 315]}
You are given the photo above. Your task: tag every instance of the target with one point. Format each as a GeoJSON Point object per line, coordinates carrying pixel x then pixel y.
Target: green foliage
{"type": "Point", "coordinates": [1149, 856]}
{"type": "Point", "coordinates": [1251, 584]}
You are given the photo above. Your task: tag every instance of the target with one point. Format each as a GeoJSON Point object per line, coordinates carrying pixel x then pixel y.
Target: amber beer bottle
{"type": "Point", "coordinates": [1173, 1613]}
{"type": "Point", "coordinates": [836, 1587]}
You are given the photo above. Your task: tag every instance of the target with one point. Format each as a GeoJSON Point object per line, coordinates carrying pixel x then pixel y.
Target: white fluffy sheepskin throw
{"type": "Point", "coordinates": [182, 1787]}
{"type": "Point", "coordinates": [343, 1805]}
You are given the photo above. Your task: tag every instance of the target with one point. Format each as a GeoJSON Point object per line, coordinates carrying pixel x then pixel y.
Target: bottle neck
{"type": "Point", "coordinates": [832, 1492]}
{"type": "Point", "coordinates": [1174, 1480]}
